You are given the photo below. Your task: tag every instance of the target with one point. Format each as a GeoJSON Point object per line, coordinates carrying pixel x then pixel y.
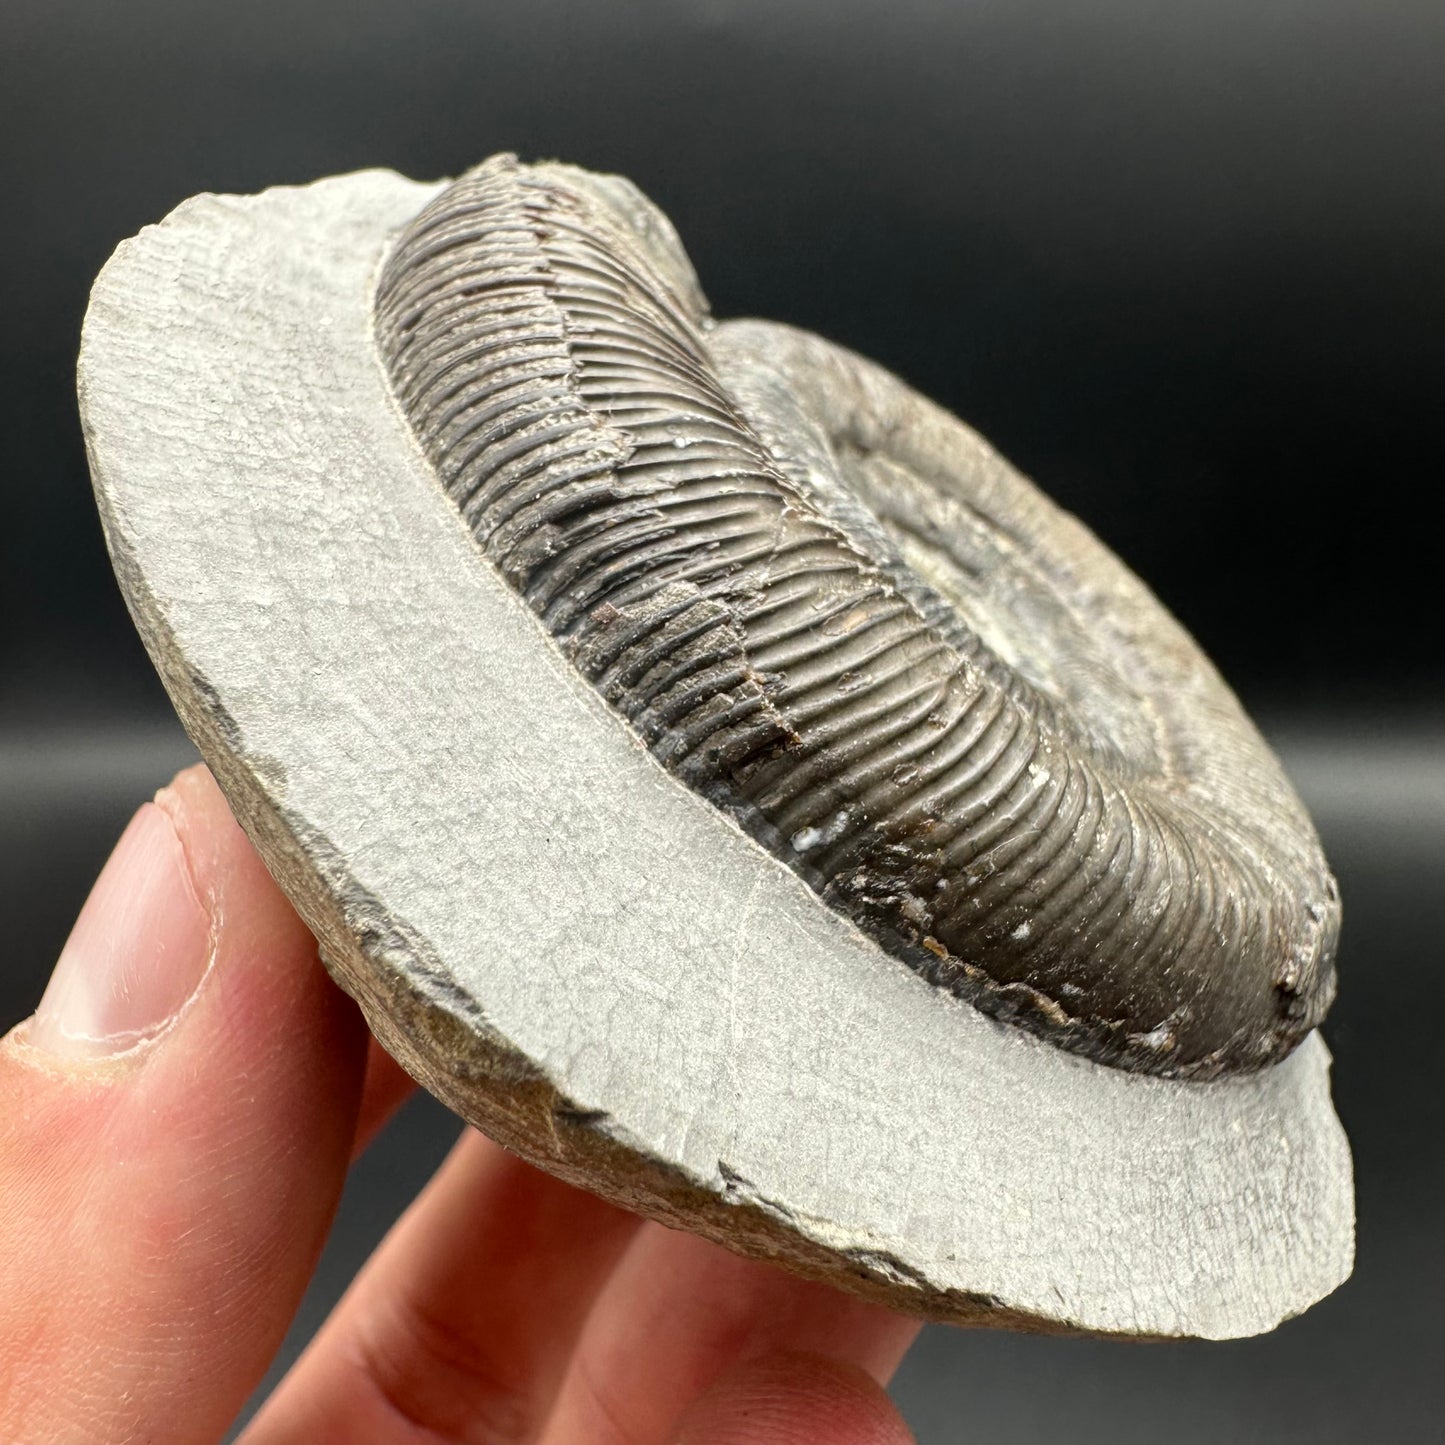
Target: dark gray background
{"type": "Point", "coordinates": [1183, 263]}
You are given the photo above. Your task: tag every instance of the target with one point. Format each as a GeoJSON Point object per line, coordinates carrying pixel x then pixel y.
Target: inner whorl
{"type": "Point", "coordinates": [827, 606]}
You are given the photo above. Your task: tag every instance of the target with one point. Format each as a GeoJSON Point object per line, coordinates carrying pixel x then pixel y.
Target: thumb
{"type": "Point", "coordinates": [175, 1123]}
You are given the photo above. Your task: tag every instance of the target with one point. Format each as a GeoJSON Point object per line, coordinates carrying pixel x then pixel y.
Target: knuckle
{"type": "Point", "coordinates": [443, 1384]}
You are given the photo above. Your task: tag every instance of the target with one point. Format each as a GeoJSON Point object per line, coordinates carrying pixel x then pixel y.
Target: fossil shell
{"type": "Point", "coordinates": [551, 932]}
{"type": "Point", "coordinates": [828, 606]}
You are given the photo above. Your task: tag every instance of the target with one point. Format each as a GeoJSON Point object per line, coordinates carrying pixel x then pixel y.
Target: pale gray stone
{"type": "Point", "coordinates": [559, 940]}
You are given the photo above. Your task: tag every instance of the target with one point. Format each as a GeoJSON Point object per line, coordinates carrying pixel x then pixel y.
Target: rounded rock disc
{"type": "Point", "coordinates": [557, 937]}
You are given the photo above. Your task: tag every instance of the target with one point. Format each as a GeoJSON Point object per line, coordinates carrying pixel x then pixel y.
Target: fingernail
{"type": "Point", "coordinates": [136, 953]}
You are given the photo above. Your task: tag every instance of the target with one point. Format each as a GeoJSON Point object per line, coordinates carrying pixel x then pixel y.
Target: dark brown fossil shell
{"type": "Point", "coordinates": [829, 607]}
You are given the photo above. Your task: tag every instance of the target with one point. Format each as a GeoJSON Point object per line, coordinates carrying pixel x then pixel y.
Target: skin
{"type": "Point", "coordinates": [162, 1206]}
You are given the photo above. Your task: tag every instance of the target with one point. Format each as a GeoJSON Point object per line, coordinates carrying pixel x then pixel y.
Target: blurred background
{"type": "Point", "coordinates": [1180, 262]}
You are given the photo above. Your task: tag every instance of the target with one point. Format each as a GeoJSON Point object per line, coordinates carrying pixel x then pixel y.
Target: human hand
{"type": "Point", "coordinates": [176, 1122]}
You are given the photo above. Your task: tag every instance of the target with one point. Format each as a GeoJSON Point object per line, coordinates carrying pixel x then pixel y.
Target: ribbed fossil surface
{"type": "Point", "coordinates": [828, 606]}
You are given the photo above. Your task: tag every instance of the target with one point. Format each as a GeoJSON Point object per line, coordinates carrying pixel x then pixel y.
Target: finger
{"type": "Point", "coordinates": [387, 1087]}
{"type": "Point", "coordinates": [175, 1124]}
{"type": "Point", "coordinates": [794, 1400]}
{"type": "Point", "coordinates": [461, 1325]}
{"type": "Point", "coordinates": [679, 1311]}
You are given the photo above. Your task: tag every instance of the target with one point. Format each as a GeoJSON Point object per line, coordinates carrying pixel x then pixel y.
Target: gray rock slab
{"type": "Point", "coordinates": [556, 938]}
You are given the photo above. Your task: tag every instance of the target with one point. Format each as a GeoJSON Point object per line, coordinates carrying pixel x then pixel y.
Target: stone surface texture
{"type": "Point", "coordinates": [559, 940]}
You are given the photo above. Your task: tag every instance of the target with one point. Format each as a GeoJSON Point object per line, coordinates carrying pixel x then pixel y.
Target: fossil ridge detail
{"type": "Point", "coordinates": [827, 606]}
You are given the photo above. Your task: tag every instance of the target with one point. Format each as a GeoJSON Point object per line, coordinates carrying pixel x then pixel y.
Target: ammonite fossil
{"type": "Point", "coordinates": [830, 608]}
{"type": "Point", "coordinates": [715, 773]}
